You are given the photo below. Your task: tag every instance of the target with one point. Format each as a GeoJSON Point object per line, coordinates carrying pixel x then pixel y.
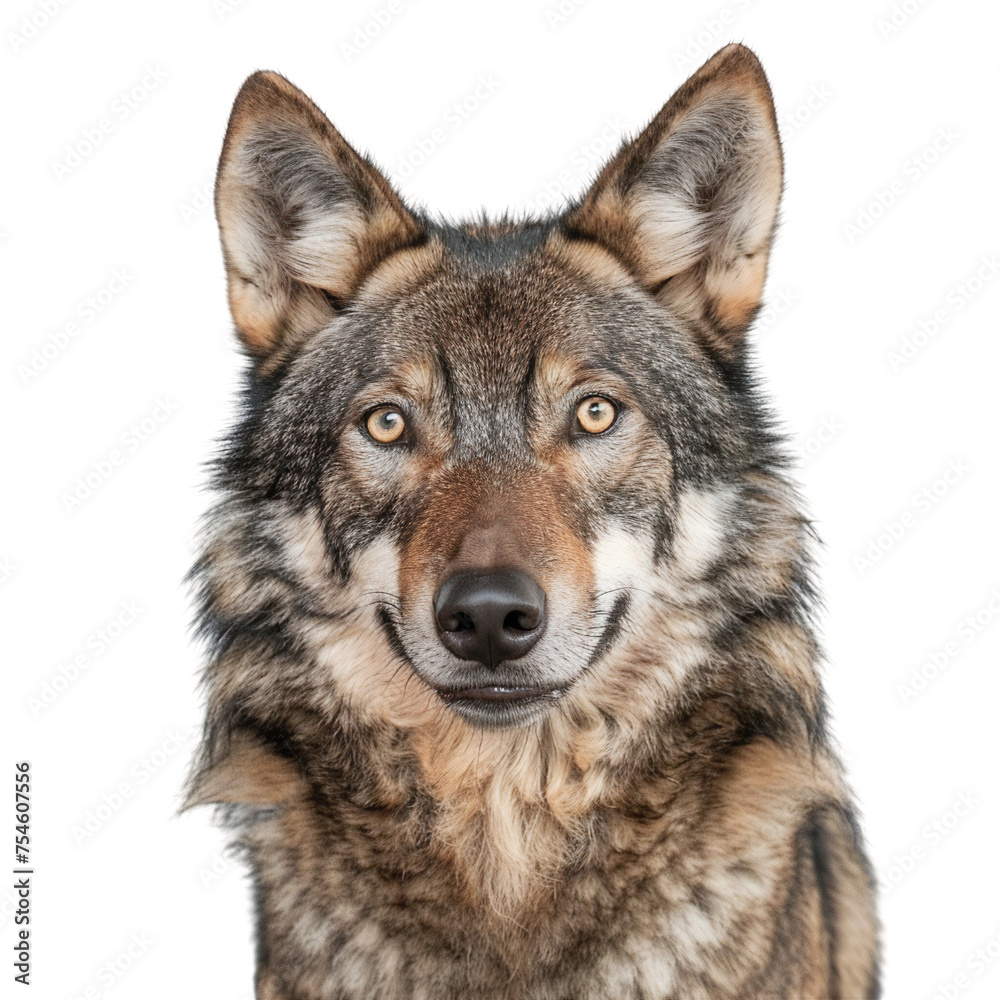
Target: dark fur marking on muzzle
{"type": "Point", "coordinates": [612, 627]}
{"type": "Point", "coordinates": [392, 634]}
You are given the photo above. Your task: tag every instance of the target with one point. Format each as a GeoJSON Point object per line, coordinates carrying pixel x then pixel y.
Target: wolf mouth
{"type": "Point", "coordinates": [496, 693]}
{"type": "Point", "coordinates": [499, 707]}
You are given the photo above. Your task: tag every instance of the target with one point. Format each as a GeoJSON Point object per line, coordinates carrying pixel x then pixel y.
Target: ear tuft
{"type": "Point", "coordinates": [303, 217]}
{"type": "Point", "coordinates": [690, 205]}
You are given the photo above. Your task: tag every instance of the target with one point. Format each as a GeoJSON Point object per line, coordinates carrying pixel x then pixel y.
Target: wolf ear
{"type": "Point", "coordinates": [690, 205]}
{"type": "Point", "coordinates": [303, 217]}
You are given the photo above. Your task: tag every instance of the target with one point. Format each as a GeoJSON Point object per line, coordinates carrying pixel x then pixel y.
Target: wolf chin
{"type": "Point", "coordinates": [512, 689]}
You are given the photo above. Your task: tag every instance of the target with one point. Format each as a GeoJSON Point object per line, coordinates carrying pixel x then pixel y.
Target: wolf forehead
{"type": "Point", "coordinates": [487, 311]}
{"type": "Point", "coordinates": [490, 321]}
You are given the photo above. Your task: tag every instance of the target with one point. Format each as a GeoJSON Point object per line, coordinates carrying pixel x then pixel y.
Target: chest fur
{"type": "Point", "coordinates": [495, 896]}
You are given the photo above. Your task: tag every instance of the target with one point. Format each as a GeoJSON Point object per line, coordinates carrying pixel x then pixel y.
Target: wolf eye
{"type": "Point", "coordinates": [596, 414]}
{"type": "Point", "coordinates": [385, 424]}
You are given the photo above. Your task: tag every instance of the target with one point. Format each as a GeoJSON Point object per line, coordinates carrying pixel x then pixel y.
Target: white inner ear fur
{"type": "Point", "coordinates": [711, 192]}
{"type": "Point", "coordinates": [287, 213]}
{"type": "Point", "coordinates": [325, 250]}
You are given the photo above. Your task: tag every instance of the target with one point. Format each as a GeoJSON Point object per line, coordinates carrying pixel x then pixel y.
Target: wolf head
{"type": "Point", "coordinates": [499, 475]}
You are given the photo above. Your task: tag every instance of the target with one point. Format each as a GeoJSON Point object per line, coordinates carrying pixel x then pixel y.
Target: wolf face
{"type": "Point", "coordinates": [492, 427]}
{"type": "Point", "coordinates": [507, 591]}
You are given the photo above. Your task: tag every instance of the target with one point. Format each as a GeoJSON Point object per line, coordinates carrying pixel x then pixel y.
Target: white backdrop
{"type": "Point", "coordinates": [878, 343]}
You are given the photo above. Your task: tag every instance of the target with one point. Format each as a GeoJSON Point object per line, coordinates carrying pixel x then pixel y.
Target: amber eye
{"type": "Point", "coordinates": [386, 424]}
{"type": "Point", "coordinates": [596, 414]}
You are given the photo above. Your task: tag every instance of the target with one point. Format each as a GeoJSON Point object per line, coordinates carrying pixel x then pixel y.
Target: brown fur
{"type": "Point", "coordinates": [672, 822]}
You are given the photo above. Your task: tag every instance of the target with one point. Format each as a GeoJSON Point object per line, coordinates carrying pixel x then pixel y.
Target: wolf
{"type": "Point", "coordinates": [512, 684]}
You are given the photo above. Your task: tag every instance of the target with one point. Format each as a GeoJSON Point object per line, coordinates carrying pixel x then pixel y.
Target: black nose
{"type": "Point", "coordinates": [490, 616]}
